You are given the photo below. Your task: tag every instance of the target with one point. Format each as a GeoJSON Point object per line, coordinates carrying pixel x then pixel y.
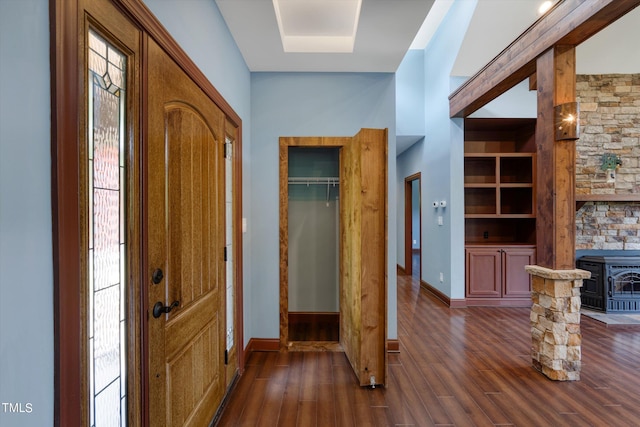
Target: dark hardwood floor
{"type": "Point", "coordinates": [314, 327]}
{"type": "Point", "coordinates": [456, 367]}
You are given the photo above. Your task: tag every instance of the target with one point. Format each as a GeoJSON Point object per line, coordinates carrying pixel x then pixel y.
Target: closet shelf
{"type": "Point", "coordinates": [314, 180]}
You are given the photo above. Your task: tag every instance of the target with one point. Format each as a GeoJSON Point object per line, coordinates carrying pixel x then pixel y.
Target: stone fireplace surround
{"type": "Point", "coordinates": [609, 123]}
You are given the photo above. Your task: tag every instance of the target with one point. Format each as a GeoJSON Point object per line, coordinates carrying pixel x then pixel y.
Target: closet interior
{"type": "Point", "coordinates": [314, 243]}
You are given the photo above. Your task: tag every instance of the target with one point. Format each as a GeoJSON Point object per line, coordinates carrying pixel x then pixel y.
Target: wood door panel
{"type": "Point", "coordinates": [191, 192]}
{"type": "Point", "coordinates": [517, 282]}
{"type": "Point", "coordinates": [374, 251]}
{"type": "Point", "coordinates": [484, 272]}
{"type": "Point", "coordinates": [186, 239]}
{"type": "Point", "coordinates": [363, 304]}
{"type": "Point", "coordinates": [184, 325]}
{"type": "Point", "coordinates": [191, 375]}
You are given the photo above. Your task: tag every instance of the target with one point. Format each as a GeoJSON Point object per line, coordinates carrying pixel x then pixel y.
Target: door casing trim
{"type": "Point", "coordinates": [408, 223]}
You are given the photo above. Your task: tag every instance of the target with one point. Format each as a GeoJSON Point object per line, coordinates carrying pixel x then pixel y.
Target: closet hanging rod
{"type": "Point", "coordinates": [314, 180]}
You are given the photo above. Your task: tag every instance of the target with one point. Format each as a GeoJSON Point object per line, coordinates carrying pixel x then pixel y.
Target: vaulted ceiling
{"type": "Point", "coordinates": [388, 28]}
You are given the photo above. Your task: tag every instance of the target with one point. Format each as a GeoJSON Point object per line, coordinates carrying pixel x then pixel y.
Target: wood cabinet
{"type": "Point", "coordinates": [500, 210]}
{"type": "Point", "coordinates": [483, 272]}
{"type": "Point", "coordinates": [496, 272]}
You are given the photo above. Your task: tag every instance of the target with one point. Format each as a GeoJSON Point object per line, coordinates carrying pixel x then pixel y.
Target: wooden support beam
{"type": "Point", "coordinates": [533, 82]}
{"type": "Point", "coordinates": [555, 223]}
{"type": "Point", "coordinates": [570, 22]}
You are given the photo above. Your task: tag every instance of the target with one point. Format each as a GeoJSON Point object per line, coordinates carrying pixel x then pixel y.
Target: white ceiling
{"type": "Point", "coordinates": [496, 23]}
{"type": "Point", "coordinates": [385, 32]}
{"type": "Point", "coordinates": [388, 28]}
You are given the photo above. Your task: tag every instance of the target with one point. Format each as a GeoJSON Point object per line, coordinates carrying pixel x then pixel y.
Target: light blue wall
{"type": "Point", "coordinates": [200, 30]}
{"type": "Point", "coordinates": [410, 103]}
{"type": "Point", "coordinates": [443, 246]}
{"type": "Point", "coordinates": [439, 157]}
{"type": "Point", "coordinates": [26, 272]}
{"type": "Point", "coordinates": [308, 104]}
{"type": "Point", "coordinates": [410, 94]}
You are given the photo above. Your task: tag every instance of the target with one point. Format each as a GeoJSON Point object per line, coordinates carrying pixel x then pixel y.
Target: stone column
{"type": "Point", "coordinates": [555, 321]}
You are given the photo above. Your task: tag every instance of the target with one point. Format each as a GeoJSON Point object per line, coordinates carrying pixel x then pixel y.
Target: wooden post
{"type": "Point", "coordinates": [555, 312]}
{"type": "Point", "coordinates": [555, 224]}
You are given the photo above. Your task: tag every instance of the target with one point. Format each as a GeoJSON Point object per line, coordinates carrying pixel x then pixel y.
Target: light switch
{"type": "Point", "coordinates": [440, 220]}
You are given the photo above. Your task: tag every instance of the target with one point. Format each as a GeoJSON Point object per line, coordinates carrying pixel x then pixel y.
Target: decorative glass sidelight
{"type": "Point", "coordinates": [228, 202]}
{"type": "Point", "coordinates": [107, 234]}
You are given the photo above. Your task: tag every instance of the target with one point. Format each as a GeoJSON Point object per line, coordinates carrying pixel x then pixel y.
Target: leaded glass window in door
{"type": "Point", "coordinates": [107, 237]}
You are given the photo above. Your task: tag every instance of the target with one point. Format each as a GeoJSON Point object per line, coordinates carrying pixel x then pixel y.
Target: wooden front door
{"type": "Point", "coordinates": [185, 229]}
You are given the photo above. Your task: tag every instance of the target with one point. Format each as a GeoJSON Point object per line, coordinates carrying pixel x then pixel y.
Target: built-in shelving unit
{"type": "Point", "coordinates": [500, 209]}
{"type": "Point", "coordinates": [499, 185]}
{"type": "Point", "coordinates": [499, 181]}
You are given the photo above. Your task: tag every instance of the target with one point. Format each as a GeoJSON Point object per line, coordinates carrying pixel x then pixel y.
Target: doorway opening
{"type": "Point", "coordinates": [413, 226]}
{"type": "Point", "coordinates": [314, 236]}
{"type": "Point", "coordinates": [310, 243]}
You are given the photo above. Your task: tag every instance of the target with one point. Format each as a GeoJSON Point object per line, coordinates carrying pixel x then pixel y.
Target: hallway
{"type": "Point", "coordinates": [415, 266]}
{"type": "Point", "coordinates": [456, 367]}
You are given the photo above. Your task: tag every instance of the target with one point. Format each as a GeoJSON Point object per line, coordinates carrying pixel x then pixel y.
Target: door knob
{"type": "Point", "coordinates": [160, 308]}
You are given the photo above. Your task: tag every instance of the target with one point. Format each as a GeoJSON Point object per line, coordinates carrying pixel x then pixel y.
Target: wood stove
{"type": "Point", "coordinates": [614, 286]}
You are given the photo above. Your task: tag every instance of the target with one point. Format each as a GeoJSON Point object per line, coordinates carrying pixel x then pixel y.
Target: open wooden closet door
{"type": "Point", "coordinates": [363, 265]}
{"type": "Point", "coordinates": [363, 251]}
